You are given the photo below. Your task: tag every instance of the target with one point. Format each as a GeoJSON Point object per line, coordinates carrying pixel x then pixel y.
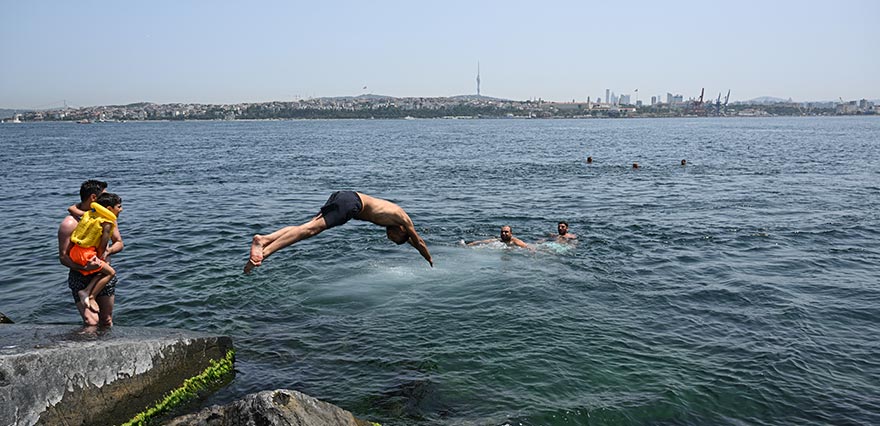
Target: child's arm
{"type": "Point", "coordinates": [106, 231]}
{"type": "Point", "coordinates": [116, 244]}
{"type": "Point", "coordinates": [75, 211]}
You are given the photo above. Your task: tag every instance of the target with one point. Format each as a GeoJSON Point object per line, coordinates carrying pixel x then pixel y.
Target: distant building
{"type": "Point", "coordinates": [847, 108]}
{"type": "Point", "coordinates": [608, 96]}
{"type": "Point", "coordinates": [571, 106]}
{"type": "Point", "coordinates": [653, 100]}
{"type": "Point", "coordinates": [625, 100]}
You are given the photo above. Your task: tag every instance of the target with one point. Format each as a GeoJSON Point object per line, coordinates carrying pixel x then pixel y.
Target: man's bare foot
{"type": "Point", "coordinates": [249, 266]}
{"type": "Point", "coordinates": [92, 304]}
{"type": "Point", "coordinates": [83, 297]}
{"type": "Point", "coordinates": [89, 317]}
{"type": "Point", "coordinates": [256, 258]}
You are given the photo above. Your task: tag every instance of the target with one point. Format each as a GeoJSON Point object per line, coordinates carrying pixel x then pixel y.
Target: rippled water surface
{"type": "Point", "coordinates": [740, 289]}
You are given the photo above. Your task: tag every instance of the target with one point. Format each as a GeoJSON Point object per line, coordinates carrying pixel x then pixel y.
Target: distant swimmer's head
{"type": "Point", "coordinates": [589, 160]}
{"type": "Point", "coordinates": [397, 234]}
{"type": "Point", "coordinates": [562, 228]}
{"type": "Point", "coordinates": [684, 162]}
{"type": "Point", "coordinates": [506, 234]}
{"type": "Point", "coordinates": [635, 165]}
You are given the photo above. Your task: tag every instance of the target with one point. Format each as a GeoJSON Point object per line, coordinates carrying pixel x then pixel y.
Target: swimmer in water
{"type": "Point", "coordinates": [506, 237]}
{"type": "Point", "coordinates": [562, 232]}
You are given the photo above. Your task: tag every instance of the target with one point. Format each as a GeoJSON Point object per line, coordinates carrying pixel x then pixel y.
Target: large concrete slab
{"type": "Point", "coordinates": [57, 374]}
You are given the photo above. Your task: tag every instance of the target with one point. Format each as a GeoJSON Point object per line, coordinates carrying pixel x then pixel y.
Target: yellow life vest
{"type": "Point", "coordinates": [88, 231]}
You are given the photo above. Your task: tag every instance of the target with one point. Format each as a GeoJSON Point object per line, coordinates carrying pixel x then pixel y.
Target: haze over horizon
{"type": "Point", "coordinates": [105, 53]}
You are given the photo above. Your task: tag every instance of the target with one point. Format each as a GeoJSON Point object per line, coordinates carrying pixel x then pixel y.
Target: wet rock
{"type": "Point", "coordinates": [278, 407]}
{"type": "Point", "coordinates": [4, 319]}
{"type": "Point", "coordinates": [53, 374]}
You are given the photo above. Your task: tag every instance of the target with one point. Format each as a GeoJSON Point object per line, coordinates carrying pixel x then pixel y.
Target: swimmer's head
{"type": "Point", "coordinates": [684, 162]}
{"type": "Point", "coordinates": [590, 160]}
{"type": "Point", "coordinates": [562, 227]}
{"type": "Point", "coordinates": [635, 165]}
{"type": "Point", "coordinates": [506, 234]}
{"type": "Point", "coordinates": [397, 234]}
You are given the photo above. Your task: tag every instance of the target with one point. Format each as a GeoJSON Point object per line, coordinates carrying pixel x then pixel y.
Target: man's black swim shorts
{"type": "Point", "coordinates": [77, 282]}
{"type": "Point", "coordinates": [341, 207]}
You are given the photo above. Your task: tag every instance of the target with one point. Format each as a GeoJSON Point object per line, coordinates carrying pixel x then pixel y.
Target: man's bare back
{"type": "Point", "coordinates": [382, 212]}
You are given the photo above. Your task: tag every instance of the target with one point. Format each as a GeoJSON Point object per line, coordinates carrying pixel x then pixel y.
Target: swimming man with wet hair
{"type": "Point", "coordinates": [506, 237]}
{"type": "Point", "coordinates": [562, 230]}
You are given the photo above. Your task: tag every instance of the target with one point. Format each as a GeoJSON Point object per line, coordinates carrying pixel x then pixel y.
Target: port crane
{"type": "Point", "coordinates": [718, 103]}
{"type": "Point", "coordinates": [697, 105]}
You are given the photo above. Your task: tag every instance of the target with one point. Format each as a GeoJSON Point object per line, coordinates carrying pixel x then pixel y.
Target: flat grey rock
{"type": "Point", "coordinates": [62, 374]}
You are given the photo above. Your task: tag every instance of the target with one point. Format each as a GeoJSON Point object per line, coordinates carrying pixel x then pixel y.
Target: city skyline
{"type": "Point", "coordinates": [103, 53]}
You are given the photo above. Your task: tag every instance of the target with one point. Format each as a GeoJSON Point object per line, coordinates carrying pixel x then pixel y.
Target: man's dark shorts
{"type": "Point", "coordinates": [77, 282]}
{"type": "Point", "coordinates": [341, 207]}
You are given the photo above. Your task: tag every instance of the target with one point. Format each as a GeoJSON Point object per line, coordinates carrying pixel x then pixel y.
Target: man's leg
{"type": "Point", "coordinates": [89, 316]}
{"type": "Point", "coordinates": [105, 306]}
{"type": "Point", "coordinates": [264, 245]}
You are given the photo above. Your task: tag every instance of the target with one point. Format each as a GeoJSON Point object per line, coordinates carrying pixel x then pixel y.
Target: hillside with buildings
{"type": "Point", "coordinates": [467, 106]}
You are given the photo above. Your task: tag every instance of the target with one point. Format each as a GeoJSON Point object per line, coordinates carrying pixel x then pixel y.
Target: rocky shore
{"type": "Point", "coordinates": [74, 375]}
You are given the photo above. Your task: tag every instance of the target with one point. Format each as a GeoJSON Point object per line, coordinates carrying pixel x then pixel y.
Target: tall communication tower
{"type": "Point", "coordinates": [478, 78]}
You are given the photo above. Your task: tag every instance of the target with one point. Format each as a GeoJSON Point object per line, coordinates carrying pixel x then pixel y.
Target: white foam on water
{"type": "Point", "coordinates": [556, 247]}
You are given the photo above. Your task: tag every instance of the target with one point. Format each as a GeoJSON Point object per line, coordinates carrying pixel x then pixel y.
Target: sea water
{"type": "Point", "coordinates": [740, 289]}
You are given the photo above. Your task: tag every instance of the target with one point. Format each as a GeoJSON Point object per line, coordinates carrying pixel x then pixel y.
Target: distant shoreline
{"type": "Point", "coordinates": [196, 120]}
{"type": "Point", "coordinates": [435, 108]}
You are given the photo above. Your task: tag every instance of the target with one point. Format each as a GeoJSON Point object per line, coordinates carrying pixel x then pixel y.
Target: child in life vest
{"type": "Point", "coordinates": [90, 239]}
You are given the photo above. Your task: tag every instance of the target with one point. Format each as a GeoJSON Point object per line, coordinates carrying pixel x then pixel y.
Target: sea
{"type": "Point", "coordinates": [742, 288]}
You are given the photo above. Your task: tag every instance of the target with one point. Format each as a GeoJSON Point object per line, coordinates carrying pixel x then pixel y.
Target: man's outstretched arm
{"type": "Point", "coordinates": [519, 243]}
{"type": "Point", "coordinates": [476, 243]}
{"type": "Point", "coordinates": [416, 241]}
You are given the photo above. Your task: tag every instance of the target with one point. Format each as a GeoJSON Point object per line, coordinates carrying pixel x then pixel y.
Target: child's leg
{"type": "Point", "coordinates": [97, 284]}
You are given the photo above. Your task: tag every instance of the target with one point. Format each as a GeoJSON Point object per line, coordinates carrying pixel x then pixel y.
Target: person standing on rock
{"type": "Point", "coordinates": [76, 281]}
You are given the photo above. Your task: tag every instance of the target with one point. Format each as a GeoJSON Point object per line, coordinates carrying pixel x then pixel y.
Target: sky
{"type": "Point", "coordinates": [89, 53]}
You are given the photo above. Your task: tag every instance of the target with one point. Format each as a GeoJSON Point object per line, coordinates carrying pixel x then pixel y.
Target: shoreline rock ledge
{"type": "Point", "coordinates": [63, 374]}
{"type": "Point", "coordinates": [277, 407]}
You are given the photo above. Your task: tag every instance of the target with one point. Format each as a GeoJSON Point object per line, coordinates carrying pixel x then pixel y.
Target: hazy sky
{"type": "Point", "coordinates": [117, 52]}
